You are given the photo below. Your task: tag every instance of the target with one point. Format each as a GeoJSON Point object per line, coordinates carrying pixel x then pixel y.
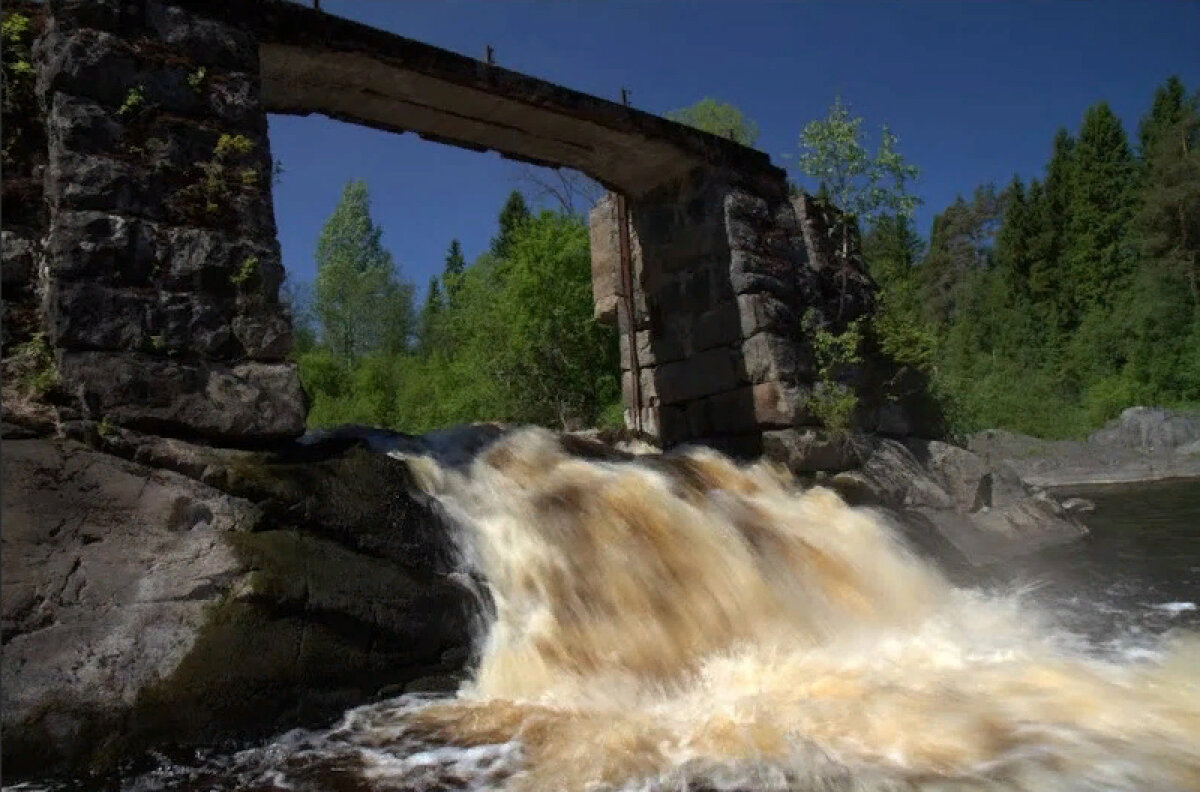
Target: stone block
{"type": "Point", "coordinates": [769, 357]}
{"type": "Point", "coordinates": [82, 125]}
{"type": "Point", "coordinates": [699, 420]}
{"type": "Point", "coordinates": [775, 404]}
{"type": "Point", "coordinates": [606, 258]}
{"type": "Point", "coordinates": [100, 247]}
{"type": "Point", "coordinates": [86, 62]}
{"type": "Point", "coordinates": [118, 15]}
{"type": "Point", "coordinates": [700, 375]}
{"type": "Point", "coordinates": [765, 312]}
{"type": "Point", "coordinates": [649, 391]}
{"type": "Point", "coordinates": [204, 41]}
{"type": "Point", "coordinates": [88, 182]}
{"type": "Point", "coordinates": [264, 336]}
{"type": "Point", "coordinates": [672, 425]}
{"type": "Point", "coordinates": [241, 403]}
{"type": "Point", "coordinates": [643, 346]}
{"type": "Point", "coordinates": [751, 273]}
{"type": "Point", "coordinates": [732, 412]}
{"type": "Point", "coordinates": [718, 326]}
{"type": "Point", "coordinates": [86, 315]}
{"type": "Point", "coordinates": [18, 267]}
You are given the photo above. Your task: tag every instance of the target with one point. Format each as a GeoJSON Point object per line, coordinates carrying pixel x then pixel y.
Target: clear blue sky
{"type": "Point", "coordinates": [975, 91]}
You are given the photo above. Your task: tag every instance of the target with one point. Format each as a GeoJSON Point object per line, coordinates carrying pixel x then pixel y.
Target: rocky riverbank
{"type": "Point", "coordinates": [1143, 444]}
{"type": "Point", "coordinates": [159, 593]}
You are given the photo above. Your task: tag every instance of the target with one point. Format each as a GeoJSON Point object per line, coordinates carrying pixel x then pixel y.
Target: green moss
{"type": "Point", "coordinates": [33, 364]}
{"type": "Point", "coordinates": [135, 101]}
{"type": "Point", "coordinates": [220, 180]}
{"type": "Point", "coordinates": [196, 80]}
{"type": "Point", "coordinates": [16, 35]}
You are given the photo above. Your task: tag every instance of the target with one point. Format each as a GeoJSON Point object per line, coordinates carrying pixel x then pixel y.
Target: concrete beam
{"type": "Point", "coordinates": [312, 62]}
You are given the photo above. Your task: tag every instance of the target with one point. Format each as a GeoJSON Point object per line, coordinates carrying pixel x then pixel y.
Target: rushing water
{"type": "Point", "coordinates": [689, 624]}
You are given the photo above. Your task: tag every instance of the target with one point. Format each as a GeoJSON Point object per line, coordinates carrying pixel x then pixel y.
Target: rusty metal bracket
{"type": "Point", "coordinates": [635, 371]}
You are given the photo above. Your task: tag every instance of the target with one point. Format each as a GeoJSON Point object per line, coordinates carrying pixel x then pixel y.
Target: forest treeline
{"type": "Point", "coordinates": [1043, 307]}
{"type": "Point", "coordinates": [1048, 306]}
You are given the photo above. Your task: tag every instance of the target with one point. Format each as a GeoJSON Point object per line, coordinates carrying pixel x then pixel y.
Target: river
{"type": "Point", "coordinates": [695, 625]}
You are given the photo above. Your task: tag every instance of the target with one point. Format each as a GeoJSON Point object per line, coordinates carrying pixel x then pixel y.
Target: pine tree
{"type": "Point", "coordinates": [1098, 254]}
{"type": "Point", "coordinates": [514, 213]}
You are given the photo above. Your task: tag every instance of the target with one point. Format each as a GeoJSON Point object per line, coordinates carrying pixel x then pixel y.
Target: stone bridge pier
{"type": "Point", "coordinates": [724, 265]}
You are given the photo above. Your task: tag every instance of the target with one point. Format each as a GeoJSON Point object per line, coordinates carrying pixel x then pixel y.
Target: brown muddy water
{"type": "Point", "coordinates": [696, 625]}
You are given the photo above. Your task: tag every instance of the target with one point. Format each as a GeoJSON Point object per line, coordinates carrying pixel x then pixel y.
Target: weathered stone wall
{"type": "Point", "coordinates": [162, 266]}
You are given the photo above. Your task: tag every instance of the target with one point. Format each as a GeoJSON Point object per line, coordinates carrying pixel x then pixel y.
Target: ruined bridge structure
{"type": "Point", "coordinates": [157, 266]}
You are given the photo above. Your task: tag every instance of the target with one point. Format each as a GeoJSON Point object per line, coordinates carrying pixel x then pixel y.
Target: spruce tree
{"type": "Point", "coordinates": [514, 213]}
{"type": "Point", "coordinates": [452, 273]}
{"type": "Point", "coordinates": [1170, 106]}
{"type": "Point", "coordinates": [1013, 239]}
{"type": "Point", "coordinates": [1049, 203]}
{"type": "Point", "coordinates": [1167, 221]}
{"type": "Point", "coordinates": [431, 314]}
{"type": "Point", "coordinates": [1098, 253]}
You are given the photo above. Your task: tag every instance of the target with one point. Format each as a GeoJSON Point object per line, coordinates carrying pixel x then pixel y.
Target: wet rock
{"type": "Point", "coordinates": [142, 607]}
{"type": "Point", "coordinates": [809, 450]}
{"type": "Point", "coordinates": [1078, 505]}
{"type": "Point", "coordinates": [986, 513]}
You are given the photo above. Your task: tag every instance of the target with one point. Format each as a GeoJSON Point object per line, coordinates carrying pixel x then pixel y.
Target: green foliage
{"type": "Point", "coordinates": [514, 213]}
{"type": "Point", "coordinates": [833, 402]}
{"type": "Point", "coordinates": [717, 118]}
{"type": "Point", "coordinates": [134, 101]}
{"type": "Point", "coordinates": [833, 152]}
{"type": "Point", "coordinates": [34, 368]}
{"type": "Point", "coordinates": [247, 270]}
{"type": "Point", "coordinates": [1089, 301]}
{"type": "Point", "coordinates": [230, 172]}
{"type": "Point", "coordinates": [230, 147]}
{"type": "Point", "coordinates": [17, 79]}
{"type": "Point", "coordinates": [360, 301]}
{"type": "Point", "coordinates": [517, 342]}
{"type": "Point", "coordinates": [105, 427]}
{"type": "Point", "coordinates": [197, 79]}
{"type": "Point", "coordinates": [612, 416]}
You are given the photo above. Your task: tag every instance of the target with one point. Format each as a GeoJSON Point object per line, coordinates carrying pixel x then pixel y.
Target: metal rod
{"type": "Point", "coordinates": [635, 371]}
{"type": "Point", "coordinates": [625, 96]}
{"type": "Point", "coordinates": [489, 55]}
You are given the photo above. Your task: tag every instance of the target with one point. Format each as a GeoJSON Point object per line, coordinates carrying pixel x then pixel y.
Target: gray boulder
{"type": "Point", "coordinates": [143, 608]}
{"type": "Point", "coordinates": [985, 513]}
